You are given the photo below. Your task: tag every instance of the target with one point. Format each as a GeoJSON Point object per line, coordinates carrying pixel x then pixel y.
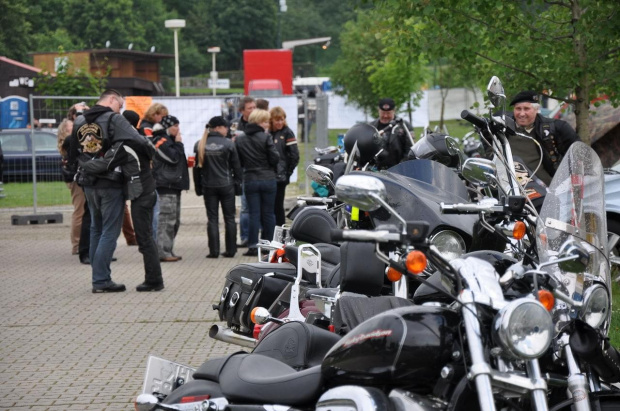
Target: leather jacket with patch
{"type": "Point", "coordinates": [221, 166]}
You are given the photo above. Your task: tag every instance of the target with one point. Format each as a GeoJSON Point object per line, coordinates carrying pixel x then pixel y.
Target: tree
{"type": "Point", "coordinates": [246, 25]}
{"type": "Point", "coordinates": [369, 68]}
{"type": "Point", "coordinates": [569, 48]}
{"type": "Point", "coordinates": [15, 33]}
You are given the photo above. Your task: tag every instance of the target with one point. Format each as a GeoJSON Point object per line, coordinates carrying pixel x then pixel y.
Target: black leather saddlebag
{"type": "Point", "coordinates": [250, 285]}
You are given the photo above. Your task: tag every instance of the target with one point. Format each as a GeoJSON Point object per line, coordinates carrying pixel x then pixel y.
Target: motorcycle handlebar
{"type": "Point", "coordinates": [320, 200]}
{"type": "Point", "coordinates": [377, 236]}
{"type": "Point", "coordinates": [461, 208]}
{"type": "Point", "coordinates": [474, 119]}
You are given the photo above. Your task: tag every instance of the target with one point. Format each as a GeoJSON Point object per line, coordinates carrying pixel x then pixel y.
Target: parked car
{"type": "Point", "coordinates": [17, 149]}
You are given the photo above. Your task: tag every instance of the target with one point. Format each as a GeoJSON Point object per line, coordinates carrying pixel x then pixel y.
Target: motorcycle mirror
{"type": "Point", "coordinates": [495, 92]}
{"type": "Point", "coordinates": [479, 171]}
{"type": "Point", "coordinates": [320, 174]}
{"type": "Point", "coordinates": [364, 192]}
{"type": "Point", "coordinates": [573, 257]}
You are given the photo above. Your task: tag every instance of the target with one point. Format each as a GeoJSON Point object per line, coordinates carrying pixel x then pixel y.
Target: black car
{"type": "Point", "coordinates": [17, 149]}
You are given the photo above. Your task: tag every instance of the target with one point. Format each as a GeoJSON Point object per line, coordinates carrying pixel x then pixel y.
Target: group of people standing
{"type": "Point", "coordinates": [256, 162]}
{"type": "Point", "coordinates": [109, 158]}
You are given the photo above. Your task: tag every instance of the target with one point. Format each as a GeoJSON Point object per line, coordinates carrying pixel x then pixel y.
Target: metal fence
{"type": "Point", "coordinates": [31, 160]}
{"type": "Point", "coordinates": [31, 169]}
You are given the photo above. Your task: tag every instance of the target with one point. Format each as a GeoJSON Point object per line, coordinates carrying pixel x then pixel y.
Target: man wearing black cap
{"type": "Point", "coordinates": [217, 173]}
{"type": "Point", "coordinates": [554, 136]}
{"type": "Point", "coordinates": [398, 142]}
{"type": "Point", "coordinates": [171, 179]}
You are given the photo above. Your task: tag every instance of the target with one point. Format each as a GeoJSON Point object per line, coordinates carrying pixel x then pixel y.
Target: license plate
{"type": "Point", "coordinates": [163, 376]}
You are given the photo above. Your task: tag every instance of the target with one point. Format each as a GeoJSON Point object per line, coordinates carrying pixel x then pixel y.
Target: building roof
{"type": "Point", "coordinates": [19, 64]}
{"type": "Point", "coordinates": [116, 52]}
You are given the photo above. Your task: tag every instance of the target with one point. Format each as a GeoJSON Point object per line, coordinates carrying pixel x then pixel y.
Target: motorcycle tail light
{"type": "Point", "coordinates": [547, 299]}
{"type": "Point", "coordinates": [256, 331]}
{"type": "Point", "coordinates": [195, 398]}
{"type": "Point", "coordinates": [518, 231]}
{"type": "Point", "coordinates": [393, 274]}
{"type": "Point", "coordinates": [416, 262]}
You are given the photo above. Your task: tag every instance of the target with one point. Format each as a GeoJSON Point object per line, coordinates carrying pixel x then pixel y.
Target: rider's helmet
{"type": "Point", "coordinates": [369, 141]}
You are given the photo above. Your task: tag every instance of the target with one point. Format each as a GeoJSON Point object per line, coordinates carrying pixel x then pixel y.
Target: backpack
{"type": "Point", "coordinates": [94, 141]}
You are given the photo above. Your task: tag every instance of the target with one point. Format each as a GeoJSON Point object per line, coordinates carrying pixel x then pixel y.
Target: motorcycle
{"type": "Point", "coordinates": [515, 341]}
{"type": "Point", "coordinates": [506, 326]}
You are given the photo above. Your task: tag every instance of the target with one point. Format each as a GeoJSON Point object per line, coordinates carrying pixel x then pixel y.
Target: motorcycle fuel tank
{"type": "Point", "coordinates": [403, 347]}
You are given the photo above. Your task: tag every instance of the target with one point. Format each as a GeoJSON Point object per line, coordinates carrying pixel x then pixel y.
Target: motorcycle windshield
{"type": "Point", "coordinates": [574, 208]}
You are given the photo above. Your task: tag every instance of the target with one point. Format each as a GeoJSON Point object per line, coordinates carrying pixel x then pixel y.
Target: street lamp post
{"type": "Point", "coordinates": [213, 51]}
{"type": "Point", "coordinates": [175, 25]}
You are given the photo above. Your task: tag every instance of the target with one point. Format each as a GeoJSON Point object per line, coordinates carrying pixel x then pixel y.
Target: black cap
{"type": "Point", "coordinates": [217, 121]}
{"type": "Point", "coordinates": [169, 121]}
{"type": "Point", "coordinates": [386, 104]}
{"type": "Point", "coordinates": [132, 117]}
{"type": "Point", "coordinates": [525, 97]}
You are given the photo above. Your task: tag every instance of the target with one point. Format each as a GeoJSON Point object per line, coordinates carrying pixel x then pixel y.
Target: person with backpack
{"type": "Point", "coordinates": [171, 178]}
{"type": "Point", "coordinates": [94, 133]}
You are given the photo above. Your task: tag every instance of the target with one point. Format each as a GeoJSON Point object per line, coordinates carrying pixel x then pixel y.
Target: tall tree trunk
{"type": "Point", "coordinates": [443, 92]}
{"type": "Point", "coordinates": [582, 106]}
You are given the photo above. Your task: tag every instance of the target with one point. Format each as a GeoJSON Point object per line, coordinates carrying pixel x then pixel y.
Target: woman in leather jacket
{"type": "Point", "coordinates": [259, 159]}
{"type": "Point", "coordinates": [216, 175]}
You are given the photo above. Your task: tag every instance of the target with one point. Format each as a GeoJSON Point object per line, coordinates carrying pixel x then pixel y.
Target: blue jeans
{"type": "Point", "coordinates": [244, 219]}
{"type": "Point", "coordinates": [107, 206]}
{"type": "Point", "coordinates": [261, 196]}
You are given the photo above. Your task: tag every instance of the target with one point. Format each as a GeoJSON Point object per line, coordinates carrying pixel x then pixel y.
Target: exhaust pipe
{"type": "Point", "coordinates": [228, 336]}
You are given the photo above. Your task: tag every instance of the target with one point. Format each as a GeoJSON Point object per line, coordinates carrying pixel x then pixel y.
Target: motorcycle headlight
{"type": "Point", "coordinates": [595, 306]}
{"type": "Point", "coordinates": [524, 329]}
{"type": "Point", "coordinates": [449, 243]}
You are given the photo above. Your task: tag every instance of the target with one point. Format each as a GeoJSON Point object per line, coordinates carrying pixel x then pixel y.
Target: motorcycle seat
{"type": "Point", "coordinates": [255, 378]}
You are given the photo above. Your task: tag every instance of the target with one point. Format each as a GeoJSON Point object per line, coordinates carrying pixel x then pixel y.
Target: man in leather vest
{"type": "Point", "coordinates": [397, 142]}
{"type": "Point", "coordinates": [93, 134]}
{"type": "Point", "coordinates": [554, 136]}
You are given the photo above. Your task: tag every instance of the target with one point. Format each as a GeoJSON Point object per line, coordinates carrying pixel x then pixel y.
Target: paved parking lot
{"type": "Point", "coordinates": [64, 348]}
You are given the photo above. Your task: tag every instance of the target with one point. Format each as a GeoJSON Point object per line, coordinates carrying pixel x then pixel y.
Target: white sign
{"type": "Point", "coordinates": [221, 83]}
{"type": "Point", "coordinates": [213, 49]}
{"type": "Point", "coordinates": [22, 81]}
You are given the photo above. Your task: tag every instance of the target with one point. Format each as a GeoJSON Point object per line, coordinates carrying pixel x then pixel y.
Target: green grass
{"type": "Point", "coordinates": [614, 329]}
{"type": "Point", "coordinates": [48, 194]}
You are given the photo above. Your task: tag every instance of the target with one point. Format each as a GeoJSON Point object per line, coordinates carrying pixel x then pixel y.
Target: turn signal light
{"type": "Point", "coordinates": [416, 262]}
{"type": "Point", "coordinates": [393, 274]}
{"type": "Point", "coordinates": [253, 314]}
{"type": "Point", "coordinates": [547, 299]}
{"type": "Point", "coordinates": [279, 256]}
{"type": "Point", "coordinates": [518, 231]}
